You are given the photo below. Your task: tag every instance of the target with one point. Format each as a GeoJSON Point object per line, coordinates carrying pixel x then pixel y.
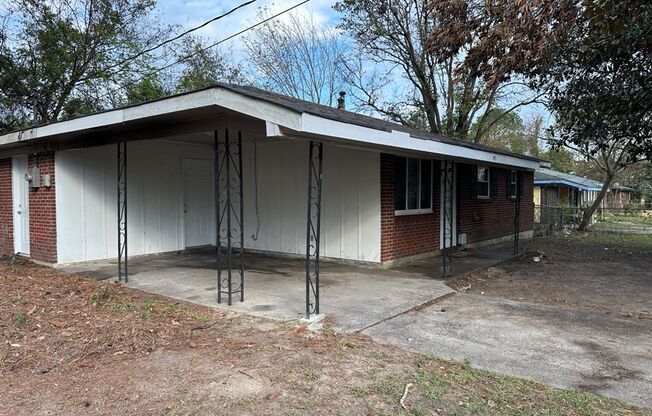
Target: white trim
{"type": "Point", "coordinates": [217, 97]}
{"type": "Point", "coordinates": [20, 190]}
{"type": "Point", "coordinates": [400, 140]}
{"type": "Point", "coordinates": [404, 212]}
{"type": "Point", "coordinates": [277, 117]}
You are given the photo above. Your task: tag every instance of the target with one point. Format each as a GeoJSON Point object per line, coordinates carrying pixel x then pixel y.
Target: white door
{"type": "Point", "coordinates": [21, 205]}
{"type": "Point", "coordinates": [451, 201]}
{"type": "Point", "coordinates": [198, 202]}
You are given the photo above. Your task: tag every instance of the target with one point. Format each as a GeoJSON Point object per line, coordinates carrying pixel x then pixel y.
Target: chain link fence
{"type": "Point", "coordinates": [635, 219]}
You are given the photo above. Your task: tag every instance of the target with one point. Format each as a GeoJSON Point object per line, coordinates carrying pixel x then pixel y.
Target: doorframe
{"type": "Point", "coordinates": [182, 200]}
{"type": "Point", "coordinates": [441, 207]}
{"type": "Point", "coordinates": [20, 185]}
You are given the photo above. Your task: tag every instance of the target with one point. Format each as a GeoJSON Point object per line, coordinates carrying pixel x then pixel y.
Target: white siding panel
{"type": "Point", "coordinates": [86, 199]}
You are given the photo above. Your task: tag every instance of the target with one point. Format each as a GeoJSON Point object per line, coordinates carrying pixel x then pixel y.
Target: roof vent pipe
{"type": "Point", "coordinates": [340, 101]}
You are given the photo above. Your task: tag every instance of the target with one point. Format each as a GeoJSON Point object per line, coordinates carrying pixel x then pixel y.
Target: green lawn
{"type": "Point", "coordinates": [633, 219]}
{"type": "Point", "coordinates": [636, 242]}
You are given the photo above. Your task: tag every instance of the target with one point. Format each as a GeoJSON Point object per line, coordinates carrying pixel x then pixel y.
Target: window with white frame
{"type": "Point", "coordinates": [513, 183]}
{"type": "Point", "coordinates": [482, 182]}
{"type": "Point", "coordinates": [413, 194]}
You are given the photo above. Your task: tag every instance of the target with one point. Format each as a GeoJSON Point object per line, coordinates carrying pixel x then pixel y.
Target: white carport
{"type": "Point", "coordinates": [161, 169]}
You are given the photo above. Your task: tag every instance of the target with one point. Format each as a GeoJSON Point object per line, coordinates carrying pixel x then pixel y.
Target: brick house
{"type": "Point", "coordinates": [382, 186]}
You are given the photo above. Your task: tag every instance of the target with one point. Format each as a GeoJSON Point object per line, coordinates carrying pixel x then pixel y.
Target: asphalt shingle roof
{"type": "Point", "coordinates": [350, 117]}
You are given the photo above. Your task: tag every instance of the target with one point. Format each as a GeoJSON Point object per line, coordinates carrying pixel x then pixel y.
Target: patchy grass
{"type": "Point", "coordinates": [631, 219]}
{"type": "Point", "coordinates": [640, 243]}
{"type": "Point", "coordinates": [591, 271]}
{"type": "Point", "coordinates": [20, 318]}
{"type": "Point", "coordinates": [86, 347]}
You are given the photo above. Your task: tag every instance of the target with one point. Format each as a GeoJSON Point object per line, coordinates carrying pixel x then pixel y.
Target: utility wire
{"type": "Point", "coordinates": [177, 37]}
{"type": "Point", "coordinates": [212, 45]}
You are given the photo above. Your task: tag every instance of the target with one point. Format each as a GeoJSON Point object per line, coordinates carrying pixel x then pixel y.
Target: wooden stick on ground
{"type": "Point", "coordinates": [405, 393]}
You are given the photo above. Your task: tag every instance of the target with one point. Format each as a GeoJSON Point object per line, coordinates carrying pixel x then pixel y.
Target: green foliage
{"type": "Point", "coordinates": [639, 177]}
{"type": "Point", "coordinates": [600, 81]}
{"type": "Point", "coordinates": [561, 160]}
{"type": "Point", "coordinates": [147, 309]}
{"type": "Point", "coordinates": [147, 89]}
{"type": "Point", "coordinates": [64, 57]}
{"type": "Point", "coordinates": [101, 297]}
{"type": "Point", "coordinates": [509, 132]}
{"type": "Point", "coordinates": [20, 318]}
{"type": "Point", "coordinates": [204, 67]}
{"type": "Point", "coordinates": [598, 86]}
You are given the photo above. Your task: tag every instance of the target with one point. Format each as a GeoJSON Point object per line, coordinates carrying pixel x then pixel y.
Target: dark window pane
{"type": "Point", "coordinates": [399, 174]}
{"type": "Point", "coordinates": [483, 189]}
{"type": "Point", "coordinates": [413, 184]}
{"type": "Point", "coordinates": [426, 184]}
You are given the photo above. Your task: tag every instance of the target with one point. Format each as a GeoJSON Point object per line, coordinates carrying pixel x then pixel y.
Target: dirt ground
{"type": "Point", "coordinates": [73, 345]}
{"type": "Point", "coordinates": [607, 273]}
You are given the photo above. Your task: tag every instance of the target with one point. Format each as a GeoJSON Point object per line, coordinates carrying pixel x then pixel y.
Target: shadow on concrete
{"type": "Point", "coordinates": [354, 295]}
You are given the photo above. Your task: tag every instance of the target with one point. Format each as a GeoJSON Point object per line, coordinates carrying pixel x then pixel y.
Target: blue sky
{"type": "Point", "coordinates": [189, 13]}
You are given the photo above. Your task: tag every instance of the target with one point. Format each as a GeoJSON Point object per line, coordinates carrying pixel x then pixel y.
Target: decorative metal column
{"type": "Point", "coordinates": [123, 270]}
{"type": "Point", "coordinates": [229, 213]}
{"type": "Point", "coordinates": [313, 228]}
{"type": "Point", "coordinates": [448, 182]}
{"type": "Point", "coordinates": [517, 212]}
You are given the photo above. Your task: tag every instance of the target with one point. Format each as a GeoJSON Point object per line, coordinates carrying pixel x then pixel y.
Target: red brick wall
{"type": "Point", "coordinates": [42, 212]}
{"type": "Point", "coordinates": [6, 209]}
{"type": "Point", "coordinates": [405, 235]}
{"type": "Point", "coordinates": [483, 219]}
{"type": "Point", "coordinates": [409, 235]}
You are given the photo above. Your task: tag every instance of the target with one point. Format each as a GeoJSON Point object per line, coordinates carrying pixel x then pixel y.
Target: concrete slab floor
{"type": "Point", "coordinates": [355, 296]}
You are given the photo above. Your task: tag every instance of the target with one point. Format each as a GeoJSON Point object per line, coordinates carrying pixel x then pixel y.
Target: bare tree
{"type": "Point", "coordinates": [431, 62]}
{"type": "Point", "coordinates": [298, 57]}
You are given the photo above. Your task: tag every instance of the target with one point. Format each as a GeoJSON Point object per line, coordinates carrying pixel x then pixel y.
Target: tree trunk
{"type": "Point", "coordinates": [588, 213]}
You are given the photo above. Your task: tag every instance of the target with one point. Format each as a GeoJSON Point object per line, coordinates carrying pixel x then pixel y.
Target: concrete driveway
{"type": "Point", "coordinates": [564, 348]}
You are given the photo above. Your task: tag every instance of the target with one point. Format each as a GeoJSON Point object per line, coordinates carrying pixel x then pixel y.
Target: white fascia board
{"type": "Point", "coordinates": [82, 123]}
{"type": "Point", "coordinates": [401, 140]}
{"type": "Point", "coordinates": [206, 98]}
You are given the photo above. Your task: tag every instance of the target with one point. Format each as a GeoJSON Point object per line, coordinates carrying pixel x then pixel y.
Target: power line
{"type": "Point", "coordinates": [183, 58]}
{"type": "Point", "coordinates": [177, 37]}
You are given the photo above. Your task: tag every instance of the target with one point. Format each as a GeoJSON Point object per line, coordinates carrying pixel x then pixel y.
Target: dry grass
{"type": "Point", "coordinates": [72, 345]}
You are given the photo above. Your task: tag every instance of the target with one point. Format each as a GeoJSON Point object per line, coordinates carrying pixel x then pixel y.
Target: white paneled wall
{"type": "Point", "coordinates": [86, 199]}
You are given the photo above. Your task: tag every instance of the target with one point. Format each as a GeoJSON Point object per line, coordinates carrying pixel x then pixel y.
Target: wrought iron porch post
{"type": "Point", "coordinates": [448, 181]}
{"type": "Point", "coordinates": [229, 236]}
{"type": "Point", "coordinates": [313, 227]}
{"type": "Point", "coordinates": [123, 270]}
{"type": "Point", "coordinates": [517, 212]}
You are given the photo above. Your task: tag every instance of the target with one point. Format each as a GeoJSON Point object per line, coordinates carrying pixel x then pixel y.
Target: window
{"type": "Point", "coordinates": [513, 181]}
{"type": "Point", "coordinates": [413, 193]}
{"type": "Point", "coordinates": [482, 182]}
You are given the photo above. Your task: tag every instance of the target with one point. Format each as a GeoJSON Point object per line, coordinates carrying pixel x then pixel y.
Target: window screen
{"type": "Point", "coordinates": [413, 185]}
